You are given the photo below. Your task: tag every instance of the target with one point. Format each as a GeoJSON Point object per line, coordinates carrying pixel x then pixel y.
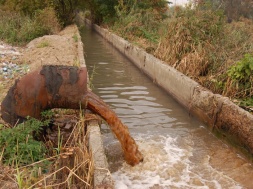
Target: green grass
{"type": "Point", "coordinates": [18, 143]}
{"type": "Point", "coordinates": [43, 44]}
{"type": "Point", "coordinates": [18, 30]}
{"type": "Point", "coordinates": [75, 37]}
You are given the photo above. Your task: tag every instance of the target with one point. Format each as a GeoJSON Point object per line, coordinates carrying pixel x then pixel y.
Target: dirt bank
{"type": "Point", "coordinates": [58, 49]}
{"type": "Point", "coordinates": [61, 49]}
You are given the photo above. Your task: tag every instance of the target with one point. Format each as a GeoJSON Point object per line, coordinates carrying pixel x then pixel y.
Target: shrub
{"type": "Point", "coordinates": [191, 39]}
{"type": "Point", "coordinates": [18, 143]}
{"type": "Point", "coordinates": [18, 29]}
{"type": "Point", "coordinates": [140, 21]}
{"type": "Point", "coordinates": [240, 77]}
{"type": "Point", "coordinates": [47, 18]}
{"type": "Point", "coordinates": [101, 11]}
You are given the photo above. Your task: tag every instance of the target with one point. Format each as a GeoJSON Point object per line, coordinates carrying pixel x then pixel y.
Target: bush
{"type": "Point", "coordinates": [101, 11]}
{"type": "Point", "coordinates": [141, 21]}
{"type": "Point", "coordinates": [18, 29]}
{"type": "Point", "coordinates": [191, 39]}
{"type": "Point", "coordinates": [240, 77]}
{"type": "Point", "coordinates": [197, 41]}
{"type": "Point", "coordinates": [64, 10]}
{"type": "Point", "coordinates": [47, 18]}
{"type": "Point", "coordinates": [18, 144]}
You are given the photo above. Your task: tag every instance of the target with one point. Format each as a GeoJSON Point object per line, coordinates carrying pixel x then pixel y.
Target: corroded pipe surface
{"type": "Point", "coordinates": [51, 87]}
{"type": "Point", "coordinates": [62, 87]}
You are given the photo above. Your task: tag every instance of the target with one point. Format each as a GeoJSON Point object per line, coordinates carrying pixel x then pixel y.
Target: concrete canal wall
{"type": "Point", "coordinates": [222, 116]}
{"type": "Point", "coordinates": [102, 177]}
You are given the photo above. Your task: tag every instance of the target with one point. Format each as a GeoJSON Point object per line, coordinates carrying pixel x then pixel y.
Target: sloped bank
{"type": "Point", "coordinates": [223, 117]}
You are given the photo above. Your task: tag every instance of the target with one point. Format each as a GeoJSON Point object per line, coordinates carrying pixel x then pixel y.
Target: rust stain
{"type": "Point", "coordinates": [57, 86]}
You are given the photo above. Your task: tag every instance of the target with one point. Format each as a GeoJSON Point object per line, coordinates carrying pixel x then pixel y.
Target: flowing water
{"type": "Point", "coordinates": [179, 152]}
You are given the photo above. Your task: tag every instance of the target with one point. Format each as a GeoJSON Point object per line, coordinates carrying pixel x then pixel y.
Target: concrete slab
{"type": "Point", "coordinates": [102, 175]}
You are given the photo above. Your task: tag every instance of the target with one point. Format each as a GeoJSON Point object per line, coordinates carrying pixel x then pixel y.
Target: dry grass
{"type": "Point", "coordinates": [198, 42]}
{"type": "Point", "coordinates": [69, 166]}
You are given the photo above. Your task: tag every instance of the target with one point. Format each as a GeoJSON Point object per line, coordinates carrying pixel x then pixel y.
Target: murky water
{"type": "Point", "coordinates": [179, 152]}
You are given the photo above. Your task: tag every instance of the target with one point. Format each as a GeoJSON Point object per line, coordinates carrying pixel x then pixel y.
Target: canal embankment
{"type": "Point", "coordinates": [222, 116]}
{"type": "Point", "coordinates": [64, 48]}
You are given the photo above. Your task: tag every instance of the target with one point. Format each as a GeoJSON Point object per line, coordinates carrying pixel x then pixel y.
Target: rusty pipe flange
{"type": "Point", "coordinates": [54, 86]}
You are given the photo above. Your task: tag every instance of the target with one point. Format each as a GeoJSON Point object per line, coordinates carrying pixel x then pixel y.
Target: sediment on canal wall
{"type": "Point", "coordinates": [222, 116]}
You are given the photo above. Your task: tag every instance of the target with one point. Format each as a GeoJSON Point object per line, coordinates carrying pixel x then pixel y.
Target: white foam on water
{"type": "Point", "coordinates": [167, 165]}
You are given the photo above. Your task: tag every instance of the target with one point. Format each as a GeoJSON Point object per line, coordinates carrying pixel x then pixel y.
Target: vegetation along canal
{"type": "Point", "coordinates": [179, 152]}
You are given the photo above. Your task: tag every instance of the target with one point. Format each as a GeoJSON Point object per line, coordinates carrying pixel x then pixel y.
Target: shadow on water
{"type": "Point", "coordinates": [179, 152]}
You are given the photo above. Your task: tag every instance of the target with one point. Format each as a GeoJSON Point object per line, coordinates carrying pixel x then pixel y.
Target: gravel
{"type": "Point", "coordinates": [9, 66]}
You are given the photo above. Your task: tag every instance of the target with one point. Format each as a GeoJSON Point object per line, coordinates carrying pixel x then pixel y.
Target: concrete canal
{"type": "Point", "coordinates": [179, 152]}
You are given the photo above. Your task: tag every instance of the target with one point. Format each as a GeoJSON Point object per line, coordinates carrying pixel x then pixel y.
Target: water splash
{"type": "Point", "coordinates": [167, 165]}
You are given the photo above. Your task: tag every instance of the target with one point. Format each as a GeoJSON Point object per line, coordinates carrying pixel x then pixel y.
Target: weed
{"type": "Point", "coordinates": [47, 18]}
{"type": "Point", "coordinates": [16, 28]}
{"type": "Point", "coordinates": [43, 44]}
{"type": "Point", "coordinates": [47, 115]}
{"type": "Point", "coordinates": [75, 37]}
{"type": "Point", "coordinates": [19, 144]}
{"type": "Point", "coordinates": [76, 62]}
{"type": "Point", "coordinates": [19, 179]}
{"type": "Point", "coordinates": [93, 73]}
{"type": "Point", "coordinates": [240, 77]}
{"type": "Point", "coordinates": [247, 102]}
{"type": "Point", "coordinates": [242, 70]}
{"type": "Point", "coordinates": [59, 142]}
{"type": "Point", "coordinates": [135, 23]}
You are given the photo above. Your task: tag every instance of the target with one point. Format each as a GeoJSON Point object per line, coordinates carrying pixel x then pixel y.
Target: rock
{"type": "Point", "coordinates": [68, 126]}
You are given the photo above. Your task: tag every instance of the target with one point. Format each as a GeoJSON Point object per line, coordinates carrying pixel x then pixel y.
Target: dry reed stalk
{"type": "Point", "coordinates": [73, 167]}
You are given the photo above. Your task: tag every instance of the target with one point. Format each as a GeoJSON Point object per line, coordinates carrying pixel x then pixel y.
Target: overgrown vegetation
{"type": "Point", "coordinates": [61, 162]}
{"type": "Point", "coordinates": [17, 29]}
{"type": "Point", "coordinates": [240, 78]}
{"type": "Point", "coordinates": [204, 40]}
{"type": "Point", "coordinates": [140, 20]}
{"type": "Point", "coordinates": [18, 143]}
{"type": "Point", "coordinates": [22, 21]}
{"type": "Point", "coordinates": [101, 11]}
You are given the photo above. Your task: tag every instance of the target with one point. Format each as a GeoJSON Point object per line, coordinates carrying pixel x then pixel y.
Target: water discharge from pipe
{"type": "Point", "coordinates": [63, 87]}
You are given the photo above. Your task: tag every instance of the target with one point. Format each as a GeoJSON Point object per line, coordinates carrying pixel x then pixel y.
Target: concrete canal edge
{"type": "Point", "coordinates": [223, 117]}
{"type": "Point", "coordinates": [102, 177]}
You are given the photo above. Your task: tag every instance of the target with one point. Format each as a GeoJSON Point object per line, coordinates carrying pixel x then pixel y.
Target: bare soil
{"type": "Point", "coordinates": [60, 49]}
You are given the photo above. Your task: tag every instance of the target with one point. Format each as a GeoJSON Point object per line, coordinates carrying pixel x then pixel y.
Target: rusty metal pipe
{"type": "Point", "coordinates": [62, 87]}
{"type": "Point", "coordinates": [51, 87]}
